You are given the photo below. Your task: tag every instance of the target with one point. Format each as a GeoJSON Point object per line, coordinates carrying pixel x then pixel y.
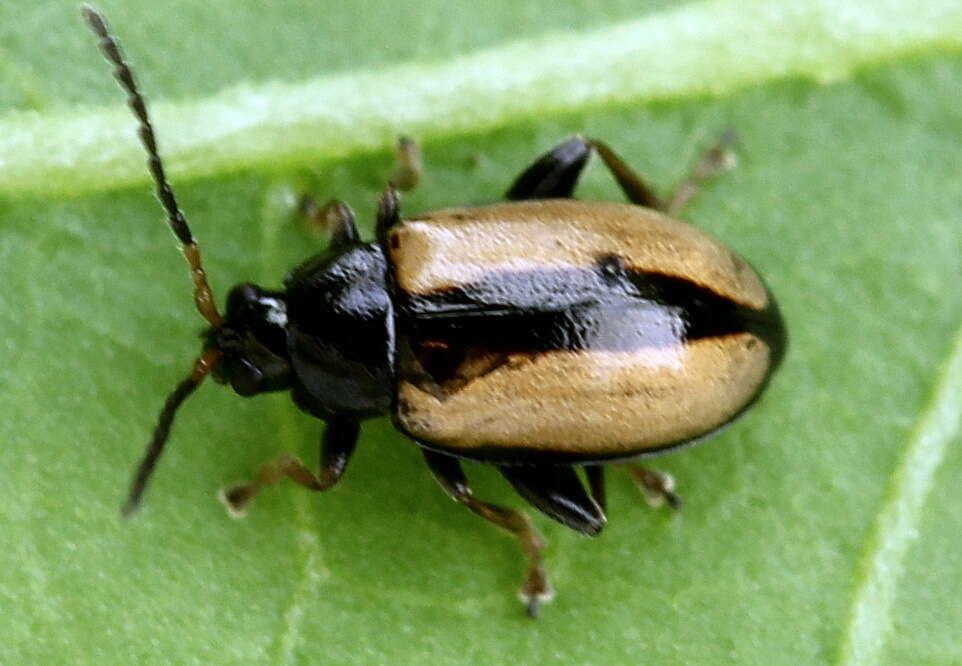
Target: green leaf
{"type": "Point", "coordinates": [823, 528]}
{"type": "Point", "coordinates": [698, 48]}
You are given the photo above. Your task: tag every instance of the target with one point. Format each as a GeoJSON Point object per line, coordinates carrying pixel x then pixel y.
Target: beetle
{"type": "Point", "coordinates": [540, 335]}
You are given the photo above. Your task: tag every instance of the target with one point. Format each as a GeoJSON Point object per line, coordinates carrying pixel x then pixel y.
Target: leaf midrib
{"type": "Point", "coordinates": [896, 526]}
{"type": "Point", "coordinates": [706, 47]}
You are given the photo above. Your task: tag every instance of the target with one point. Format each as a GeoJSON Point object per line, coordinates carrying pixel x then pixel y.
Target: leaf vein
{"type": "Point", "coordinates": [896, 527]}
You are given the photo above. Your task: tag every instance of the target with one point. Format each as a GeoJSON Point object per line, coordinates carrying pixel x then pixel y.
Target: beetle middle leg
{"type": "Point", "coordinates": [337, 445]}
{"type": "Point", "coordinates": [448, 473]}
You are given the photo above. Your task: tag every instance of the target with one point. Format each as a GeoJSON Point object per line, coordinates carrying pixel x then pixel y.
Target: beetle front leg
{"type": "Point", "coordinates": [448, 473]}
{"type": "Point", "coordinates": [388, 213]}
{"type": "Point", "coordinates": [337, 445]}
{"type": "Point", "coordinates": [334, 217]}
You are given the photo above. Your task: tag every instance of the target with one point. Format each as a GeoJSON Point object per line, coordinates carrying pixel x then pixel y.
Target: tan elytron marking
{"type": "Point", "coordinates": [457, 246]}
{"type": "Point", "coordinates": [604, 403]}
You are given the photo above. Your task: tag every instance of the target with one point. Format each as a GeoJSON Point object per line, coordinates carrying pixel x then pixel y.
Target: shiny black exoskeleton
{"type": "Point", "coordinates": [328, 336]}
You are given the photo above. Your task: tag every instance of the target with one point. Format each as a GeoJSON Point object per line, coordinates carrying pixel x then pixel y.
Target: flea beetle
{"type": "Point", "coordinates": [539, 335]}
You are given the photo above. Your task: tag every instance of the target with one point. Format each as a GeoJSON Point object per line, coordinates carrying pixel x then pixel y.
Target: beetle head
{"type": "Point", "coordinates": [248, 347]}
{"type": "Point", "coordinates": [252, 342]}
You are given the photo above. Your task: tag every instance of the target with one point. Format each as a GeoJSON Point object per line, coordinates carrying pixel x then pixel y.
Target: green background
{"type": "Point", "coordinates": [823, 528]}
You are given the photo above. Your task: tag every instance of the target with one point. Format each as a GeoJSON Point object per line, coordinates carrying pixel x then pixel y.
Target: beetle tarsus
{"type": "Point", "coordinates": [718, 158]}
{"type": "Point", "coordinates": [535, 592]}
{"type": "Point", "coordinates": [407, 173]}
{"type": "Point", "coordinates": [656, 487]}
{"type": "Point", "coordinates": [335, 217]}
{"type": "Point", "coordinates": [234, 501]}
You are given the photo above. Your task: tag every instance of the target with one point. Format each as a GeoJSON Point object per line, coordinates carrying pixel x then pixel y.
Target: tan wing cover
{"type": "Point", "coordinates": [579, 403]}
{"type": "Point", "coordinates": [457, 245]}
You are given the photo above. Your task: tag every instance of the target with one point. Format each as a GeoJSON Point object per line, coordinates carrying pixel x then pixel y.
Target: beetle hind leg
{"type": "Point", "coordinates": [596, 484]}
{"type": "Point", "coordinates": [337, 445]}
{"type": "Point", "coordinates": [556, 491]}
{"type": "Point", "coordinates": [658, 488]}
{"type": "Point", "coordinates": [719, 157]}
{"type": "Point", "coordinates": [555, 174]}
{"type": "Point", "coordinates": [536, 589]}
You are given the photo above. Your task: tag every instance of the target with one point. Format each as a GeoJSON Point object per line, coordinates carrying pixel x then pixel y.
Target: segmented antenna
{"type": "Point", "coordinates": [145, 469]}
{"type": "Point", "coordinates": [203, 298]}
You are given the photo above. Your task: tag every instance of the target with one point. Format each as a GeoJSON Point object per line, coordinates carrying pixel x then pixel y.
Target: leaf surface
{"type": "Point", "coordinates": [821, 529]}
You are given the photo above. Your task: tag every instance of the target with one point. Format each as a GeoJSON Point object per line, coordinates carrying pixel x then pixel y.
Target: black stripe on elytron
{"type": "Point", "coordinates": [458, 333]}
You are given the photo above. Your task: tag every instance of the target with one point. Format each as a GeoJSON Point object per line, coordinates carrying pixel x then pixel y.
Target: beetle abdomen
{"type": "Point", "coordinates": [573, 330]}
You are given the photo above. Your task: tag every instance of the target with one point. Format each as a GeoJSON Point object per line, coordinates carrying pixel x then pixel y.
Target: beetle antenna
{"type": "Point", "coordinates": [203, 298]}
{"type": "Point", "coordinates": [145, 470]}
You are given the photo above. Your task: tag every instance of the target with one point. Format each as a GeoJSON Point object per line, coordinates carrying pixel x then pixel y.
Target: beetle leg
{"type": "Point", "coordinates": [335, 217]}
{"type": "Point", "coordinates": [657, 487]}
{"type": "Point", "coordinates": [388, 213]}
{"type": "Point", "coordinates": [596, 484]}
{"type": "Point", "coordinates": [554, 174]}
{"type": "Point", "coordinates": [448, 473]}
{"type": "Point", "coordinates": [630, 182]}
{"type": "Point", "coordinates": [337, 445]}
{"type": "Point", "coordinates": [556, 490]}
{"type": "Point", "coordinates": [407, 173]}
{"type": "Point", "coordinates": [719, 157]}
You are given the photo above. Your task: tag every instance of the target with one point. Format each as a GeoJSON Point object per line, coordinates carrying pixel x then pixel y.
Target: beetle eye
{"type": "Point", "coordinates": [228, 339]}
